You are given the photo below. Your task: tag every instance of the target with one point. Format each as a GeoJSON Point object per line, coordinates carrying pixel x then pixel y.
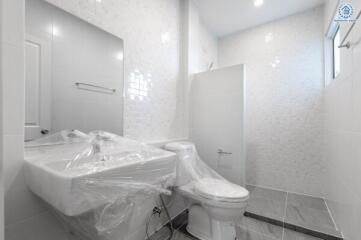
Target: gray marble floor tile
{"type": "Point", "coordinates": [306, 201]}
{"type": "Point", "coordinates": [311, 219]}
{"type": "Point", "coordinates": [267, 208]}
{"type": "Point", "coordinates": [263, 228]}
{"type": "Point", "coordinates": [259, 192]}
{"type": "Point", "coordinates": [292, 235]}
{"type": "Point", "coordinates": [246, 234]}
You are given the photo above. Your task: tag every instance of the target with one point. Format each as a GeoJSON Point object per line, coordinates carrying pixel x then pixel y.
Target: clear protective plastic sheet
{"type": "Point", "coordinates": [112, 178]}
{"type": "Point", "coordinates": [195, 175]}
{"type": "Point", "coordinates": [191, 168]}
{"type": "Point", "coordinates": [108, 180]}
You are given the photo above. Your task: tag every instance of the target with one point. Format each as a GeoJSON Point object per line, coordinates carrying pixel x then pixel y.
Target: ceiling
{"type": "Point", "coordinates": [224, 17]}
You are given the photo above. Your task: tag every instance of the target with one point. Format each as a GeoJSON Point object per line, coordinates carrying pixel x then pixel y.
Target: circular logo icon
{"type": "Point", "coordinates": [345, 11]}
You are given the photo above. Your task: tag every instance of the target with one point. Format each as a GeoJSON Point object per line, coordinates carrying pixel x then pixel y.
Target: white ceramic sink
{"type": "Point", "coordinates": [53, 175]}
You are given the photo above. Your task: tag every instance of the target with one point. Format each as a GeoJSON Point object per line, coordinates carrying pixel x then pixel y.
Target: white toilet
{"type": "Point", "coordinates": [215, 204]}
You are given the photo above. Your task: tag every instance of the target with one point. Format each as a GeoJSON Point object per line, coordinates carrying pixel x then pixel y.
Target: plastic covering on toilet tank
{"type": "Point", "coordinates": [100, 180]}
{"type": "Point", "coordinates": [204, 180]}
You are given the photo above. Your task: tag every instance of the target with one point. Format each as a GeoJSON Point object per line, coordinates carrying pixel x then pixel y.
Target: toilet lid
{"type": "Point", "coordinates": [221, 190]}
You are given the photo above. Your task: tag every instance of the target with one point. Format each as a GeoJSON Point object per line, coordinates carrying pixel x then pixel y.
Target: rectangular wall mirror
{"type": "Point", "coordinates": [74, 74]}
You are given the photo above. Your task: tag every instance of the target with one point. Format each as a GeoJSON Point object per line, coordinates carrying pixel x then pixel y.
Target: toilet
{"type": "Point", "coordinates": [215, 204]}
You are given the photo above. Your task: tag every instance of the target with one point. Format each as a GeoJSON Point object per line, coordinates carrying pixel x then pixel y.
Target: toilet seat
{"type": "Point", "coordinates": [220, 190]}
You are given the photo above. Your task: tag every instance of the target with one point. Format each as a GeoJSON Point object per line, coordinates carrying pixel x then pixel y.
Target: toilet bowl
{"type": "Point", "coordinates": [215, 204]}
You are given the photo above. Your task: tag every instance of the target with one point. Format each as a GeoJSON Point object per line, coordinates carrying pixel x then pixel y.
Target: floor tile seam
{"type": "Point", "coordinates": [307, 225]}
{"type": "Point", "coordinates": [284, 217]}
{"type": "Point", "coordinates": [333, 220]}
{"type": "Point", "coordinates": [285, 210]}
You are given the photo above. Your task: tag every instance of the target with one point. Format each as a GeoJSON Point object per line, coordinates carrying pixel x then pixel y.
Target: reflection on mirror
{"type": "Point", "coordinates": [74, 74]}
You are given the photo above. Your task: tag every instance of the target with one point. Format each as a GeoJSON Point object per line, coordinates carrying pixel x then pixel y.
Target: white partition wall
{"type": "Point", "coordinates": [216, 120]}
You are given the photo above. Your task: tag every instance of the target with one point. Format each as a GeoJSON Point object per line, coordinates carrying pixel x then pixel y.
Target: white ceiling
{"type": "Point", "coordinates": [224, 17]}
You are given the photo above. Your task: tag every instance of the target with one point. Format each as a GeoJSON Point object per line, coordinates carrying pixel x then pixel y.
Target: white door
{"type": "Point", "coordinates": [37, 87]}
{"type": "Point", "coordinates": [216, 123]}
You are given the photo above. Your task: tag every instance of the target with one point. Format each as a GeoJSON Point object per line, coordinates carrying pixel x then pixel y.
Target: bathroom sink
{"type": "Point", "coordinates": [68, 185]}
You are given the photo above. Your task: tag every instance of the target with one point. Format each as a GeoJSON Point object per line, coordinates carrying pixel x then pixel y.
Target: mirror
{"type": "Point", "coordinates": [74, 74]}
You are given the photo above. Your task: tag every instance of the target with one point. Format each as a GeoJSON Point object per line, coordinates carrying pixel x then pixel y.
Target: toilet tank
{"type": "Point", "coordinates": [186, 164]}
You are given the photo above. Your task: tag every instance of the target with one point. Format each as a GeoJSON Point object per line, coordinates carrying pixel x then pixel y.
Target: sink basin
{"type": "Point", "coordinates": [75, 180]}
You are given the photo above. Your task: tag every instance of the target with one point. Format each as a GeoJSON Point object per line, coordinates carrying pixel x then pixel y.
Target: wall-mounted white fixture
{"type": "Point", "coordinates": [258, 3]}
{"type": "Point", "coordinates": [50, 166]}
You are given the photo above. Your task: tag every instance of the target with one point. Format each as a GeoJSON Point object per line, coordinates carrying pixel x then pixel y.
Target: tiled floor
{"type": "Point", "coordinates": [288, 210]}
{"type": "Point", "coordinates": [247, 229]}
{"type": "Point", "coordinates": [267, 203]}
{"type": "Point", "coordinates": [291, 210]}
{"type": "Point", "coordinates": [252, 229]}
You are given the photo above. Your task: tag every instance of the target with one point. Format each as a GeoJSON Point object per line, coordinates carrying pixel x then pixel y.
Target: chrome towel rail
{"type": "Point", "coordinates": [348, 44]}
{"type": "Point", "coordinates": [95, 86]}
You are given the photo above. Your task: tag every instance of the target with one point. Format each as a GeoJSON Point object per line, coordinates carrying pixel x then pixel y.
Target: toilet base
{"type": "Point", "coordinates": [203, 227]}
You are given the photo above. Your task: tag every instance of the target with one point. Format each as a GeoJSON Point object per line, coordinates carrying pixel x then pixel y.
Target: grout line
{"type": "Point", "coordinates": [285, 209]}
{"type": "Point", "coordinates": [284, 216]}
{"type": "Point", "coordinates": [280, 190]}
{"type": "Point", "coordinates": [333, 220]}
{"type": "Point", "coordinates": [265, 187]}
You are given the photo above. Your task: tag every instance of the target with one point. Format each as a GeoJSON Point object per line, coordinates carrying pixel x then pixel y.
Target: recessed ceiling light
{"type": "Point", "coordinates": [258, 3]}
{"type": "Point", "coordinates": [99, 1]}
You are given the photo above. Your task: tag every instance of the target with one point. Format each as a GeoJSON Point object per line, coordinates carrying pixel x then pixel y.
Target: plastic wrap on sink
{"type": "Point", "coordinates": [102, 200]}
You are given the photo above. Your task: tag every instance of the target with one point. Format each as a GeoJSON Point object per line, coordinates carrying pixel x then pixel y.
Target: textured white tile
{"type": "Point", "coordinates": [356, 86]}
{"type": "Point", "coordinates": [343, 139]}
{"type": "Point", "coordinates": [284, 81]}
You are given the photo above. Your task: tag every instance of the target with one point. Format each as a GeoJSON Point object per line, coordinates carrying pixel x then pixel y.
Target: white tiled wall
{"type": "Point", "coordinates": [284, 84]}
{"type": "Point", "coordinates": [208, 49]}
{"type": "Point", "coordinates": [151, 33]}
{"type": "Point", "coordinates": [343, 136]}
{"type": "Point", "coordinates": [200, 48]}
{"type": "Point", "coordinates": [203, 44]}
